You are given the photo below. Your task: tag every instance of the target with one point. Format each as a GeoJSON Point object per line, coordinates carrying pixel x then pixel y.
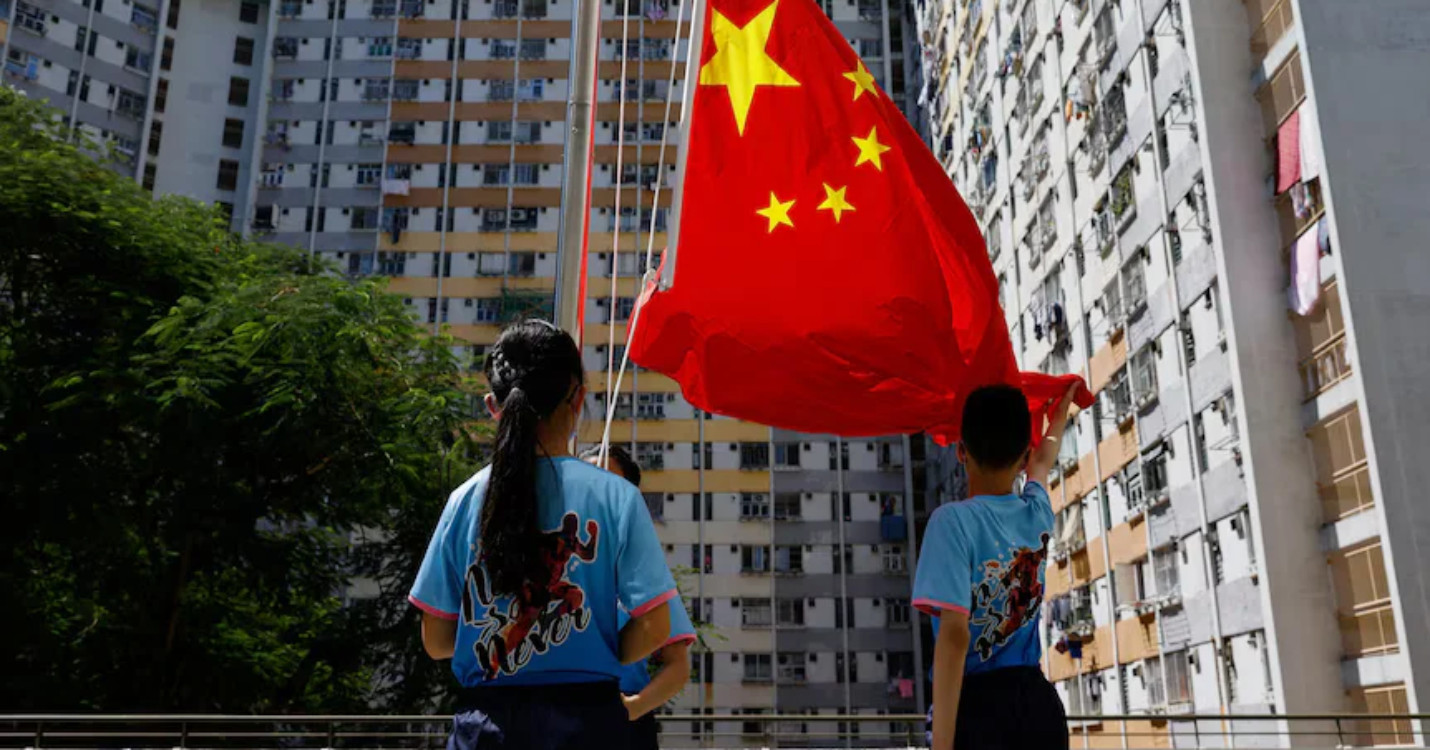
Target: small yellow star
{"type": "Point", "coordinates": [863, 81]}
{"type": "Point", "coordinates": [777, 212]}
{"type": "Point", "coordinates": [871, 150]}
{"type": "Point", "coordinates": [834, 201]}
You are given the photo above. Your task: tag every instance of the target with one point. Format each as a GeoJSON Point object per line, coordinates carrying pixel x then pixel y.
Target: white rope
{"type": "Point", "coordinates": [692, 57]}
{"type": "Point", "coordinates": [611, 395]}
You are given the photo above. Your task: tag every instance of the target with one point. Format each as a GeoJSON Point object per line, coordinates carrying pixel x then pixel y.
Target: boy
{"type": "Point", "coordinates": [643, 693]}
{"type": "Point", "coordinates": [980, 575]}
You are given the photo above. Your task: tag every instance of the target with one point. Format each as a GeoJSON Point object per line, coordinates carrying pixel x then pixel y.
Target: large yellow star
{"type": "Point", "coordinates": [740, 63]}
{"type": "Point", "coordinates": [834, 201]}
{"type": "Point", "coordinates": [863, 81]}
{"type": "Point", "coordinates": [777, 212]}
{"type": "Point", "coordinates": [871, 150]}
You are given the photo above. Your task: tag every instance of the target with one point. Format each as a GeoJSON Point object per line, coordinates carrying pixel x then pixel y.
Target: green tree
{"type": "Point", "coordinates": [205, 444]}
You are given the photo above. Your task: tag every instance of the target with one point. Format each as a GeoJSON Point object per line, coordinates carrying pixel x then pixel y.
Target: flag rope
{"type": "Point", "coordinates": [613, 388]}
{"type": "Point", "coordinates": [625, 53]}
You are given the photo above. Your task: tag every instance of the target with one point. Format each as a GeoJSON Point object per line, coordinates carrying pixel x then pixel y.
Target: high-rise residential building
{"type": "Point", "coordinates": [423, 140]}
{"type": "Point", "coordinates": [119, 71]}
{"type": "Point", "coordinates": [1239, 519]}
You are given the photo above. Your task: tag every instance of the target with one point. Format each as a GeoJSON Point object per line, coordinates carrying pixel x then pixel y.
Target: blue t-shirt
{"type": "Point", "coordinates": [604, 558]}
{"type": "Point", "coordinates": [985, 556]}
{"type": "Point", "coordinates": [635, 677]}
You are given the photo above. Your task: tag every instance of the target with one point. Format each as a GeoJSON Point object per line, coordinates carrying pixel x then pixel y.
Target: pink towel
{"type": "Point", "coordinates": [1305, 289]}
{"type": "Point", "coordinates": [906, 688]}
{"type": "Point", "coordinates": [1288, 153]}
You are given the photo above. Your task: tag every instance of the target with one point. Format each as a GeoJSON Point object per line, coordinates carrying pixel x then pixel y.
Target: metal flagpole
{"type": "Point", "coordinates": [573, 241]}
{"type": "Point", "coordinates": [687, 109]}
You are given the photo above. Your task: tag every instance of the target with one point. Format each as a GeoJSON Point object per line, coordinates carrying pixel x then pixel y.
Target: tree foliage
{"type": "Point", "coordinates": [220, 463]}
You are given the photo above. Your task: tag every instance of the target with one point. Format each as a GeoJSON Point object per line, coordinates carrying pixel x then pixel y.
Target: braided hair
{"type": "Point", "coordinates": [533, 368]}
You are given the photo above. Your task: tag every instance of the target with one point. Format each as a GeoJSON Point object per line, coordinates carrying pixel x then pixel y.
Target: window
{"type": "Point", "coordinates": [238, 91]}
{"type": "Point", "coordinates": [786, 455]}
{"type": "Point", "coordinates": [243, 51]}
{"type": "Point", "coordinates": [130, 104]}
{"type": "Point", "coordinates": [138, 59]}
{"type": "Point", "coordinates": [792, 668]}
{"type": "Point", "coordinates": [227, 174]}
{"type": "Point", "coordinates": [363, 218]}
{"type": "Point", "coordinates": [488, 310]}
{"type": "Point", "coordinates": [754, 559]}
{"type": "Point", "coordinates": [789, 613]}
{"type": "Point", "coordinates": [893, 556]}
{"type": "Point", "coordinates": [405, 90]}
{"type": "Point", "coordinates": [248, 11]}
{"type": "Point", "coordinates": [897, 613]}
{"type": "Point", "coordinates": [754, 505]}
{"type": "Point", "coordinates": [758, 668]}
{"type": "Point", "coordinates": [1165, 571]}
{"type": "Point", "coordinates": [650, 456]}
{"type": "Point", "coordinates": [391, 264]}
{"type": "Point", "coordinates": [369, 174]}
{"type": "Point", "coordinates": [407, 48]}
{"type": "Point", "coordinates": [789, 559]}
{"type": "Point", "coordinates": [383, 9]}
{"type": "Point", "coordinates": [787, 506]}
{"type": "Point", "coordinates": [755, 613]}
{"type": "Point", "coordinates": [233, 133]}
{"type": "Point", "coordinates": [754, 456]}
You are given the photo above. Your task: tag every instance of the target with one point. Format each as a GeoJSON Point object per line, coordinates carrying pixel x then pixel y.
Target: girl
{"type": "Point", "coordinates": [535, 561]}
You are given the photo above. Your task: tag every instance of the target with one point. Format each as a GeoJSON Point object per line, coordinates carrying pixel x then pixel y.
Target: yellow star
{"type": "Point", "coordinates": [777, 212]}
{"type": "Point", "coordinates": [870, 149]}
{"type": "Point", "coordinates": [740, 63]}
{"type": "Point", "coordinates": [834, 201]}
{"type": "Point", "coordinates": [863, 81]}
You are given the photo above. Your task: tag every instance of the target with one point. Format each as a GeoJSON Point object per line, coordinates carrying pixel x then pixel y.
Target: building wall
{"type": "Point", "coordinates": [1385, 276]}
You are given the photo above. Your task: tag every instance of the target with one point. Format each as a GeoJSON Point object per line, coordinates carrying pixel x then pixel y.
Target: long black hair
{"type": "Point", "coordinates": [533, 368]}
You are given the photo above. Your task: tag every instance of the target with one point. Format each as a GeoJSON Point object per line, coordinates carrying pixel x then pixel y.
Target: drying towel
{"type": "Point", "coordinates": [1288, 153]}
{"type": "Point", "coordinates": [1310, 145]}
{"type": "Point", "coordinates": [1305, 288]}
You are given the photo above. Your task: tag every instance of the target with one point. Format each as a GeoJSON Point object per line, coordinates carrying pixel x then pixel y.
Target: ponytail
{"type": "Point", "coordinates": [533, 368]}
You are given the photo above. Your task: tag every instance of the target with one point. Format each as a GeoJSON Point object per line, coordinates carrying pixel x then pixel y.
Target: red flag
{"type": "Point", "coordinates": [1044, 392]}
{"type": "Point", "coordinates": [828, 277]}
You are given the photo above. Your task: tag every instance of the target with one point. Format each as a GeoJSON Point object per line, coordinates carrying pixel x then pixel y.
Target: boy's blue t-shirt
{"type": "Point", "coordinates": [635, 677]}
{"type": "Point", "coordinates": [605, 561]}
{"type": "Point", "coordinates": [985, 556]}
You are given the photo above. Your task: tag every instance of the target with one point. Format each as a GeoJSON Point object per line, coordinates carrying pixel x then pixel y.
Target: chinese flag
{"type": "Point", "coordinates": [1045, 391]}
{"type": "Point", "coordinates": [828, 276]}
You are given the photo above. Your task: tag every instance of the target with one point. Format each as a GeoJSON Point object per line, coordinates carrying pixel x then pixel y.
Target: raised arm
{"type": "Point", "coordinates": [1040, 464]}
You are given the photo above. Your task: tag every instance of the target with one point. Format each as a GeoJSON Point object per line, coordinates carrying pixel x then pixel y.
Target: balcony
{"type": "Point", "coordinates": [1326, 367]}
{"type": "Point", "coordinates": [1275, 22]}
{"type": "Point", "coordinates": [1347, 494]}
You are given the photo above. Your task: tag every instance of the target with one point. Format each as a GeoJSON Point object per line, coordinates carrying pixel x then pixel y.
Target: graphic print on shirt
{"type": "Point", "coordinates": [1007, 597]}
{"type": "Point", "coordinates": [542, 614]}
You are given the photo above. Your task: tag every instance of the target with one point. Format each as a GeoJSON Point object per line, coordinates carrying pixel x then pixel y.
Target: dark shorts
{"type": "Point", "coordinates": [540, 717]}
{"type": "Point", "coordinates": [1009, 709]}
{"type": "Point", "coordinates": [645, 733]}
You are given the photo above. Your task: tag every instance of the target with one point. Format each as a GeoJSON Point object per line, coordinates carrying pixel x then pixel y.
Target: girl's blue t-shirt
{"type": "Point", "coordinates": [635, 677]}
{"type": "Point", "coordinates": [605, 562]}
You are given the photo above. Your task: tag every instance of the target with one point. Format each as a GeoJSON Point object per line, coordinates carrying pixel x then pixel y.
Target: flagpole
{"type": "Point", "coordinates": [687, 110]}
{"type": "Point", "coordinates": [572, 243]}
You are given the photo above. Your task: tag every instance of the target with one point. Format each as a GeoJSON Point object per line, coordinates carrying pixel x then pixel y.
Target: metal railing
{"type": "Point", "coordinates": [726, 731]}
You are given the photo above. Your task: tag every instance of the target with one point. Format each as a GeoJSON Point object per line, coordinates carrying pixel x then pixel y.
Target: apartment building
{"type": "Point", "coordinates": [120, 70]}
{"type": "Point", "coordinates": [423, 140]}
{"type": "Point", "coordinates": [1238, 528]}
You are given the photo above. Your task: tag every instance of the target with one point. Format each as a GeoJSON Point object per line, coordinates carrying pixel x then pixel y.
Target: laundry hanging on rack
{"type": "Point", "coordinates": [1305, 289]}
{"type": "Point", "coordinates": [1310, 143]}
{"type": "Point", "coordinates": [1288, 153]}
{"type": "Point", "coordinates": [1301, 200]}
